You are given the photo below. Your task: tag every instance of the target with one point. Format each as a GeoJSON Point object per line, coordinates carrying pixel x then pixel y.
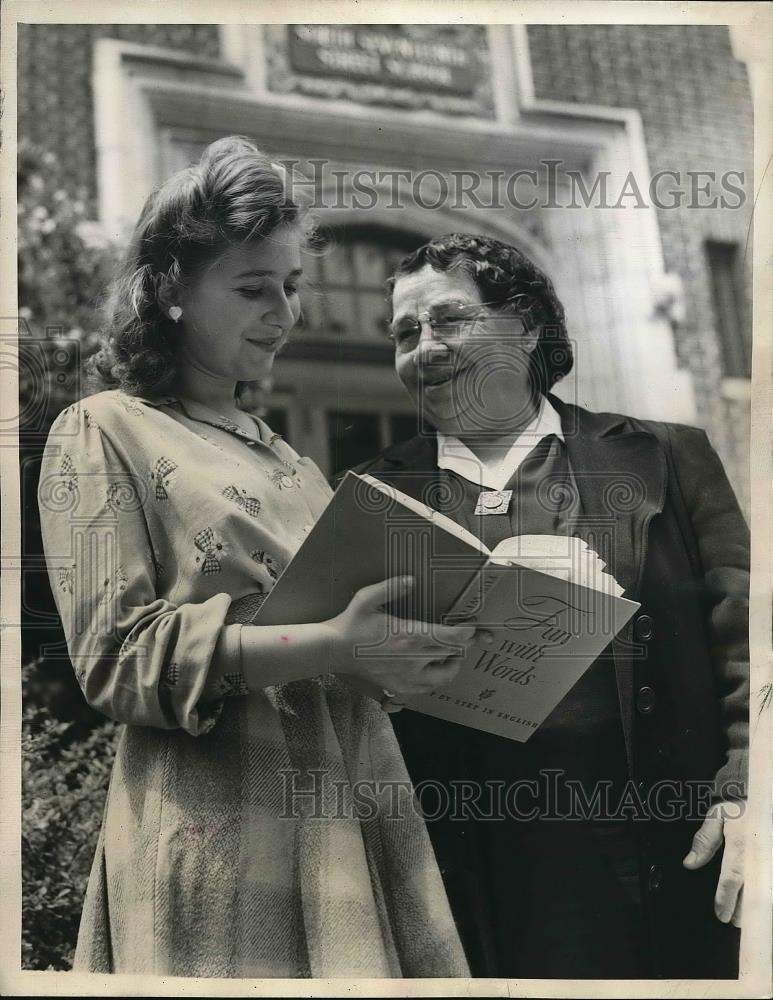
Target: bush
{"type": "Point", "coordinates": [65, 773]}
{"type": "Point", "coordinates": [65, 264]}
{"type": "Point", "coordinates": [65, 260]}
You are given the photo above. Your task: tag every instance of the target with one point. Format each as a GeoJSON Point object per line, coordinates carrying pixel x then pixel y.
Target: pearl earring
{"type": "Point", "coordinates": [175, 313]}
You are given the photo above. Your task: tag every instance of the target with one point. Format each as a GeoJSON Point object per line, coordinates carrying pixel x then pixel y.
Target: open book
{"type": "Point", "coordinates": [546, 602]}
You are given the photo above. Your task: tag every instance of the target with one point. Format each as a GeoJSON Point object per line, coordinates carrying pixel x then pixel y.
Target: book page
{"type": "Point", "coordinates": [564, 556]}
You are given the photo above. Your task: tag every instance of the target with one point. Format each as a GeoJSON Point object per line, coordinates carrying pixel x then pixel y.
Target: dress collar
{"type": "Point", "coordinates": [455, 456]}
{"type": "Point", "coordinates": [203, 414]}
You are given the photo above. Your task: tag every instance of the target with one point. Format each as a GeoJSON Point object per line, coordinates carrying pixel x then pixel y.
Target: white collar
{"type": "Point", "coordinates": [454, 455]}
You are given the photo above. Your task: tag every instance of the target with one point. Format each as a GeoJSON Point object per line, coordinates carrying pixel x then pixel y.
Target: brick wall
{"type": "Point", "coordinates": [695, 104]}
{"type": "Point", "coordinates": [56, 106]}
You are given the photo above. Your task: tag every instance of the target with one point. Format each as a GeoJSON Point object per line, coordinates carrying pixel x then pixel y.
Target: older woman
{"type": "Point", "coordinates": [167, 514]}
{"type": "Point", "coordinates": [565, 856]}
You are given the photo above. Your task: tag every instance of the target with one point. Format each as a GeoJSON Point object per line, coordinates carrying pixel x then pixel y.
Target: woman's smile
{"type": "Point", "coordinates": [440, 379]}
{"type": "Point", "coordinates": [264, 343]}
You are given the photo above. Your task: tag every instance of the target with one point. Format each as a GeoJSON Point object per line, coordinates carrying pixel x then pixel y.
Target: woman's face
{"type": "Point", "coordinates": [239, 311]}
{"type": "Point", "coordinates": [467, 377]}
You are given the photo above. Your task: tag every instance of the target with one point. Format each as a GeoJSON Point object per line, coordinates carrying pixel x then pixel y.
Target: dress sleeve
{"type": "Point", "coordinates": [139, 659]}
{"type": "Point", "coordinates": [723, 543]}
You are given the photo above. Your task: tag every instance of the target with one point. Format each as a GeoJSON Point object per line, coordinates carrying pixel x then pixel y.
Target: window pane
{"type": "Point", "coordinates": [370, 265]}
{"type": "Point", "coordinates": [340, 314]}
{"type": "Point", "coordinates": [352, 438]}
{"type": "Point", "coordinates": [374, 313]}
{"type": "Point", "coordinates": [336, 264]}
{"type": "Point", "coordinates": [313, 309]}
{"type": "Point", "coordinates": [349, 299]}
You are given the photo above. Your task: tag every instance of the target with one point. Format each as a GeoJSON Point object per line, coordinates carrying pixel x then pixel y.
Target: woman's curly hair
{"type": "Point", "coordinates": [234, 194]}
{"type": "Point", "coordinates": [507, 278]}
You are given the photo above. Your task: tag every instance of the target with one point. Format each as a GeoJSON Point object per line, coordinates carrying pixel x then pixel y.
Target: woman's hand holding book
{"type": "Point", "coordinates": [378, 652]}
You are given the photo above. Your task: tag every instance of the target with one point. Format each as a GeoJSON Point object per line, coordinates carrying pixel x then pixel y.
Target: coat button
{"type": "Point", "coordinates": [644, 628]}
{"type": "Point", "coordinates": [655, 878]}
{"type": "Point", "coordinates": [645, 700]}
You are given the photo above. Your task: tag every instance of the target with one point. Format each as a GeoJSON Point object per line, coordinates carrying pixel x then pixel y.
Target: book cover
{"type": "Point", "coordinates": [545, 603]}
{"type": "Point", "coordinates": [544, 632]}
{"type": "Point", "coordinates": [368, 533]}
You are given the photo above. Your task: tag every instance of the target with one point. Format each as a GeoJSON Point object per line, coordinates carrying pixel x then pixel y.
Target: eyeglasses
{"type": "Point", "coordinates": [449, 321]}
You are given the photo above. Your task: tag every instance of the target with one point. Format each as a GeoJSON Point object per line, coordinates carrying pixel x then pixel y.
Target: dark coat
{"type": "Point", "coordinates": [678, 543]}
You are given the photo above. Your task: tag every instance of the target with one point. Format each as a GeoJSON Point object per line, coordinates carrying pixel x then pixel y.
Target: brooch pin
{"type": "Point", "coordinates": [494, 502]}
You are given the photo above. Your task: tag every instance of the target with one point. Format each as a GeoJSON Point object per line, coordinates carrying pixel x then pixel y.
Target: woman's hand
{"type": "Point", "coordinates": [403, 657]}
{"type": "Point", "coordinates": [373, 651]}
{"type": "Point", "coordinates": [724, 823]}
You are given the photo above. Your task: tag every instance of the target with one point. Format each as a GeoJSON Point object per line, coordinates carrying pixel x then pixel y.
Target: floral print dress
{"type": "Point", "coordinates": [164, 527]}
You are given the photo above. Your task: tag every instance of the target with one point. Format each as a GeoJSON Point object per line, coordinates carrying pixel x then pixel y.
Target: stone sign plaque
{"type": "Point", "coordinates": [445, 68]}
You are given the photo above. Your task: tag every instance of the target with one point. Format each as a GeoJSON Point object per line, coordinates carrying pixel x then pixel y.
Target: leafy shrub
{"type": "Point", "coordinates": [65, 264]}
{"type": "Point", "coordinates": [65, 259]}
{"type": "Point", "coordinates": [65, 773]}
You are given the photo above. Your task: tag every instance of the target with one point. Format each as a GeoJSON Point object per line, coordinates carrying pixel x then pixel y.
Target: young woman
{"type": "Point", "coordinates": [167, 515]}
